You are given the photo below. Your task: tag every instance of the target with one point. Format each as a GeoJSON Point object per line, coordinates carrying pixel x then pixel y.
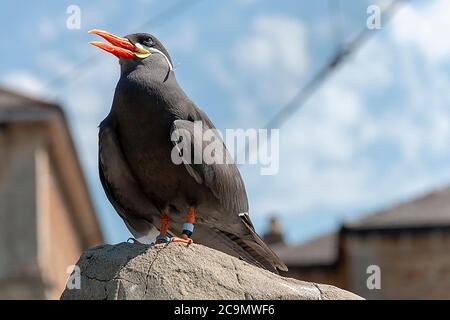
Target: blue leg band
{"type": "Point", "coordinates": [188, 229]}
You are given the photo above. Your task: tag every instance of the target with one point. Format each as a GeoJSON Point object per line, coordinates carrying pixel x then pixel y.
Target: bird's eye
{"type": "Point", "coordinates": [148, 42]}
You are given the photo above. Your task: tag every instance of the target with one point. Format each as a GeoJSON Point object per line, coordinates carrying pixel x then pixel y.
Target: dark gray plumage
{"type": "Point", "coordinates": [140, 178]}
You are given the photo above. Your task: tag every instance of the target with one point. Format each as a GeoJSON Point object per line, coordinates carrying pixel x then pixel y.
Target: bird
{"type": "Point", "coordinates": [146, 187]}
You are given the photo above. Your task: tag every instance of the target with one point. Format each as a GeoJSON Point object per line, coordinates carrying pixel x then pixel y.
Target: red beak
{"type": "Point", "coordinates": [118, 46]}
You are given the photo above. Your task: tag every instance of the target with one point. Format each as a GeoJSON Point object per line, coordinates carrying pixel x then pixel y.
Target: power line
{"type": "Point", "coordinates": [336, 60]}
{"type": "Point", "coordinates": [159, 19]}
{"type": "Point", "coordinates": [341, 55]}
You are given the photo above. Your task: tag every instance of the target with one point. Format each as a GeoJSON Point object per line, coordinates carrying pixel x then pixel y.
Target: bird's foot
{"type": "Point", "coordinates": [184, 239]}
{"type": "Point", "coordinates": [162, 239]}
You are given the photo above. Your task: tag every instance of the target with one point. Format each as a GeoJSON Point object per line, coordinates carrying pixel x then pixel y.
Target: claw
{"type": "Point", "coordinates": [133, 241]}
{"type": "Point", "coordinates": [162, 239]}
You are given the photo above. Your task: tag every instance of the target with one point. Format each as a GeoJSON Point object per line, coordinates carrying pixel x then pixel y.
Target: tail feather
{"type": "Point", "coordinates": [249, 248]}
{"type": "Point", "coordinates": [223, 241]}
{"type": "Point", "coordinates": [258, 244]}
{"type": "Point", "coordinates": [249, 253]}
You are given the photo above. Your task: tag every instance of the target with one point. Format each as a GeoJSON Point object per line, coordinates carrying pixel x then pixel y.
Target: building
{"type": "Point", "coordinates": [46, 215]}
{"type": "Point", "coordinates": [409, 243]}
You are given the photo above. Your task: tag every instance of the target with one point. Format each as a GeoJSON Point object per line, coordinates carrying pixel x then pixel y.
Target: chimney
{"type": "Point", "coordinates": [274, 236]}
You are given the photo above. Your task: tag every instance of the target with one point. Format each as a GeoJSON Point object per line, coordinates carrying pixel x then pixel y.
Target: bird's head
{"type": "Point", "coordinates": [136, 47]}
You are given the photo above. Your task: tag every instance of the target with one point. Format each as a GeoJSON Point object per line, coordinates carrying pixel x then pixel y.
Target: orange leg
{"type": "Point", "coordinates": [188, 228]}
{"type": "Point", "coordinates": [163, 227]}
{"type": "Point", "coordinates": [163, 223]}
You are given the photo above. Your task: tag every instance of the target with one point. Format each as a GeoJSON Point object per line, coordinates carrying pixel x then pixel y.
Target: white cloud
{"type": "Point", "coordinates": [24, 81]}
{"type": "Point", "coordinates": [47, 29]}
{"type": "Point", "coordinates": [366, 137]}
{"type": "Point", "coordinates": [425, 28]}
{"type": "Point", "coordinates": [54, 61]}
{"type": "Point", "coordinates": [263, 67]}
{"type": "Point", "coordinates": [186, 39]}
{"type": "Point", "coordinates": [316, 162]}
{"type": "Point", "coordinates": [371, 69]}
{"type": "Point", "coordinates": [274, 42]}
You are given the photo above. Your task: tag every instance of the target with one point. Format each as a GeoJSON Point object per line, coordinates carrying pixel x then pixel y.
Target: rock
{"type": "Point", "coordinates": [177, 271]}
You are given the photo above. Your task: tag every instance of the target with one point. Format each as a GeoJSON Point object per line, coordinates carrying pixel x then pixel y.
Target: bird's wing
{"type": "Point", "coordinates": [121, 188]}
{"type": "Point", "coordinates": [234, 233]}
{"type": "Point", "coordinates": [224, 180]}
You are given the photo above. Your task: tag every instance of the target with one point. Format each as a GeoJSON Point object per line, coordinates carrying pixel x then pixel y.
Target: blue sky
{"type": "Point", "coordinates": [375, 134]}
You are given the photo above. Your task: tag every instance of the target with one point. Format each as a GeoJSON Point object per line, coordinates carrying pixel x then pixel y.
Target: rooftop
{"type": "Point", "coordinates": [426, 212]}
{"type": "Point", "coordinates": [16, 108]}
